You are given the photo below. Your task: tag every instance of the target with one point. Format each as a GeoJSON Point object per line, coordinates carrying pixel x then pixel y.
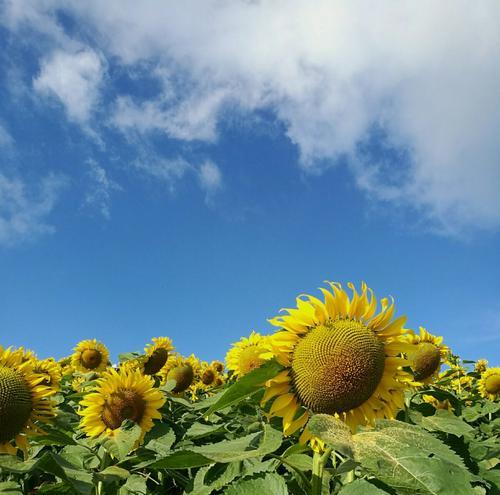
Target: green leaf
{"type": "Point", "coordinates": [246, 386]}
{"type": "Point", "coordinates": [255, 445]}
{"type": "Point", "coordinates": [473, 413]}
{"type": "Point", "coordinates": [112, 473]}
{"type": "Point", "coordinates": [361, 487]}
{"type": "Point", "coordinates": [54, 437]}
{"type": "Point", "coordinates": [333, 432]}
{"type": "Point", "coordinates": [13, 464]}
{"type": "Point", "coordinates": [200, 430]}
{"type": "Point", "coordinates": [446, 421]}
{"type": "Point", "coordinates": [80, 457]}
{"type": "Point", "coordinates": [181, 460]}
{"type": "Point", "coordinates": [135, 485]}
{"type": "Point", "coordinates": [271, 483]}
{"type": "Point", "coordinates": [410, 460]}
{"type": "Point", "coordinates": [211, 478]}
{"type": "Point", "coordinates": [10, 488]}
{"type": "Point", "coordinates": [80, 480]}
{"type": "Point", "coordinates": [299, 462]}
{"type": "Point", "coordinates": [161, 438]}
{"type": "Point", "coordinates": [263, 443]}
{"type": "Point", "coordinates": [123, 441]}
{"type": "Point", "coordinates": [169, 386]}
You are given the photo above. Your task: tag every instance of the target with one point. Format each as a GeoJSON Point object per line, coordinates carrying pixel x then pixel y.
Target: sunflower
{"type": "Point", "coordinates": [90, 355]}
{"type": "Point", "coordinates": [489, 384]}
{"type": "Point", "coordinates": [218, 366]}
{"type": "Point", "coordinates": [24, 400]}
{"type": "Point", "coordinates": [50, 370]}
{"type": "Point", "coordinates": [462, 384]}
{"type": "Point", "coordinates": [181, 369]}
{"type": "Point", "coordinates": [426, 356]}
{"type": "Point", "coordinates": [157, 355]}
{"type": "Point", "coordinates": [481, 365]}
{"type": "Point", "coordinates": [248, 354]}
{"type": "Point", "coordinates": [209, 375]}
{"type": "Point", "coordinates": [119, 396]}
{"type": "Point", "coordinates": [341, 357]}
{"type": "Point", "coordinates": [66, 367]}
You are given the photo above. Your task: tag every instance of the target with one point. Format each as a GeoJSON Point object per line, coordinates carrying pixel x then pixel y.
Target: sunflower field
{"type": "Point", "coordinates": [342, 398]}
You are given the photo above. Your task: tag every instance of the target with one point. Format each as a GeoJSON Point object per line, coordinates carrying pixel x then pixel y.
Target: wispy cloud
{"type": "Point", "coordinates": [171, 171]}
{"type": "Point", "coordinates": [101, 189]}
{"type": "Point", "coordinates": [168, 170]}
{"type": "Point", "coordinates": [210, 178]}
{"type": "Point", "coordinates": [24, 210]}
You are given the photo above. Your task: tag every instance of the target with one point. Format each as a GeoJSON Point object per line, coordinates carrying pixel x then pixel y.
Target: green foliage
{"type": "Point", "coordinates": [225, 444]}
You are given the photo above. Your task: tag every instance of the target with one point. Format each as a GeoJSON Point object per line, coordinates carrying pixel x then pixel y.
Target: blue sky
{"type": "Point", "coordinates": [188, 170]}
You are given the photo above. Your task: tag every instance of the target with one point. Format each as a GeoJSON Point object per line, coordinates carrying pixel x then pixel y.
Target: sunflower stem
{"type": "Point", "coordinates": [319, 461]}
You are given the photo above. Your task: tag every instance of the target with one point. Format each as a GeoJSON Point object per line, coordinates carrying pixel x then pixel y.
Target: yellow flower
{"type": "Point", "coordinates": [438, 404]}
{"type": "Point", "coordinates": [341, 357]}
{"type": "Point", "coordinates": [90, 355]}
{"type": "Point", "coordinates": [426, 356]}
{"type": "Point", "coordinates": [181, 369]}
{"type": "Point", "coordinates": [119, 396]}
{"type": "Point", "coordinates": [209, 375]}
{"type": "Point", "coordinates": [24, 400]}
{"type": "Point", "coordinates": [248, 354]}
{"type": "Point", "coordinates": [218, 366]}
{"type": "Point", "coordinates": [157, 355]}
{"type": "Point", "coordinates": [66, 367]}
{"type": "Point", "coordinates": [481, 365]}
{"type": "Point", "coordinates": [489, 384]}
{"type": "Point", "coordinates": [50, 370]}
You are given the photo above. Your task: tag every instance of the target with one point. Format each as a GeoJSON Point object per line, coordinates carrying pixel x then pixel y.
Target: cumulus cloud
{"type": "Point", "coordinates": [100, 190]}
{"type": "Point", "coordinates": [23, 211]}
{"type": "Point", "coordinates": [425, 74]}
{"type": "Point", "coordinates": [74, 79]}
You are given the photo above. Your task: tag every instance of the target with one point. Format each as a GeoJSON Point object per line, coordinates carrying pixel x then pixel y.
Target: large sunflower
{"type": "Point", "coordinates": [181, 369]}
{"type": "Point", "coordinates": [24, 400]}
{"type": "Point", "coordinates": [426, 355]}
{"type": "Point", "coordinates": [118, 396]}
{"type": "Point", "coordinates": [90, 355]}
{"type": "Point", "coordinates": [341, 358]}
{"type": "Point", "coordinates": [489, 384]}
{"type": "Point", "coordinates": [247, 354]}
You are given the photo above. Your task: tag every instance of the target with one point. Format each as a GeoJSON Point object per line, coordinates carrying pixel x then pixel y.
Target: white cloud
{"type": "Point", "coordinates": [101, 189]}
{"type": "Point", "coordinates": [74, 78]}
{"type": "Point", "coordinates": [194, 117]}
{"type": "Point", "coordinates": [426, 74]}
{"type": "Point", "coordinates": [169, 171]}
{"type": "Point", "coordinates": [23, 212]}
{"type": "Point", "coordinates": [210, 178]}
